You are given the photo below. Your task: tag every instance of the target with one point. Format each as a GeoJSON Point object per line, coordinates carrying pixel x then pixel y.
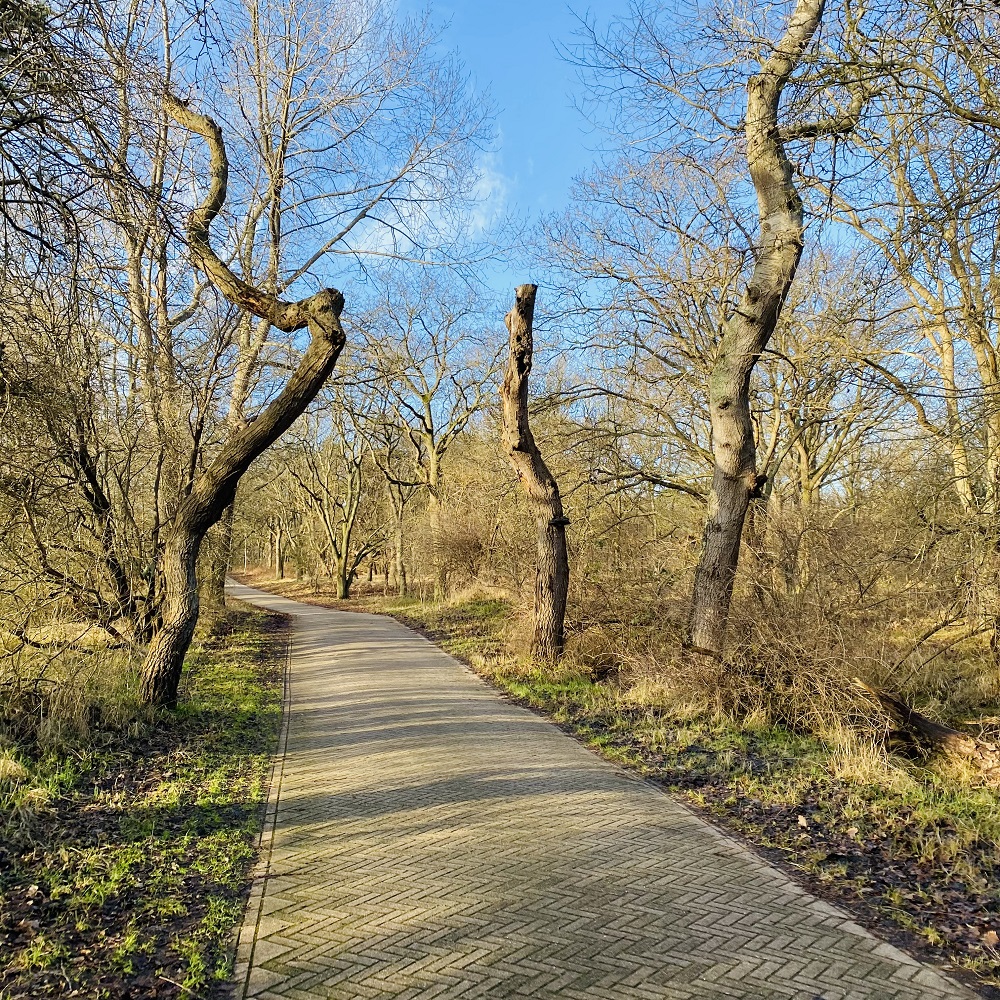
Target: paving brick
{"type": "Point", "coordinates": [430, 841]}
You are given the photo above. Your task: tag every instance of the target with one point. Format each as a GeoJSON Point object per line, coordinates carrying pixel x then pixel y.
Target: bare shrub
{"type": "Point", "coordinates": [461, 548]}
{"type": "Point", "coordinates": [597, 650]}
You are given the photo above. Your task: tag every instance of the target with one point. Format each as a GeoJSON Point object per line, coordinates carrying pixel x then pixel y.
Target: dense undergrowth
{"type": "Point", "coordinates": [908, 841]}
{"type": "Point", "coordinates": [126, 836]}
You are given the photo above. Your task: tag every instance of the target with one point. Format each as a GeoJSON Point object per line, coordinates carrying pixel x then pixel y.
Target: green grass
{"type": "Point", "coordinates": [124, 858]}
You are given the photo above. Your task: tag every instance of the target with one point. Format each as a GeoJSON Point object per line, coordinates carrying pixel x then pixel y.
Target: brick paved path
{"type": "Point", "coordinates": [431, 840]}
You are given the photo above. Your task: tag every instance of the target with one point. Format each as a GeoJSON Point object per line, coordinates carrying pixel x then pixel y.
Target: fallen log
{"type": "Point", "coordinates": [985, 757]}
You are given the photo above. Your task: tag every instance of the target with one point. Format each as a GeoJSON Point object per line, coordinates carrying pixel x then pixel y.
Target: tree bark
{"type": "Point", "coordinates": [398, 556]}
{"type": "Point", "coordinates": [216, 566]}
{"type": "Point", "coordinates": [161, 668]}
{"type": "Point", "coordinates": [747, 332]}
{"type": "Point", "coordinates": [215, 488]}
{"type": "Point", "coordinates": [345, 572]}
{"type": "Point", "coordinates": [439, 562]}
{"type": "Point", "coordinates": [957, 745]}
{"type": "Point", "coordinates": [279, 551]}
{"type": "Point", "coordinates": [552, 565]}
{"type": "Point", "coordinates": [346, 575]}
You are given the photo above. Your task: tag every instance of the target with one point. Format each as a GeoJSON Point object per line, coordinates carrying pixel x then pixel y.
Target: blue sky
{"type": "Point", "coordinates": [510, 50]}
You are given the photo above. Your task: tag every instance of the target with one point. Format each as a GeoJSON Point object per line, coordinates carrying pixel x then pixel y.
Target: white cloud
{"type": "Point", "coordinates": [490, 194]}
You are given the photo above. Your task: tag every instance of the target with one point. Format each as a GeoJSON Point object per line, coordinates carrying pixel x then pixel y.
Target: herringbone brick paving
{"type": "Point", "coordinates": [429, 840]}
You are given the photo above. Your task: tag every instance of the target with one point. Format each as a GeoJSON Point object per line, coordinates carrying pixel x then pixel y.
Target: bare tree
{"type": "Point", "coordinates": [552, 565]}
{"type": "Point", "coordinates": [394, 460]}
{"type": "Point", "coordinates": [658, 244]}
{"type": "Point", "coordinates": [71, 461]}
{"type": "Point", "coordinates": [817, 411]}
{"type": "Point", "coordinates": [427, 347]}
{"type": "Point", "coordinates": [333, 466]}
{"type": "Point", "coordinates": [664, 93]}
{"type": "Point", "coordinates": [318, 153]}
{"type": "Point", "coordinates": [748, 330]}
{"type": "Point", "coordinates": [936, 230]}
{"type": "Point", "coordinates": [214, 489]}
{"type": "Point", "coordinates": [49, 73]}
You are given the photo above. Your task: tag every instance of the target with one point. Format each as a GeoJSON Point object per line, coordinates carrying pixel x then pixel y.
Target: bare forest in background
{"type": "Point", "coordinates": [247, 323]}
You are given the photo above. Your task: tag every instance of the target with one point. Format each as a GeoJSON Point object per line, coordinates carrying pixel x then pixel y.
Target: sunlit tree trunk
{"type": "Point", "coordinates": [438, 556]}
{"type": "Point", "coordinates": [747, 332]}
{"type": "Point", "coordinates": [278, 549]}
{"type": "Point", "coordinates": [552, 560]}
{"type": "Point", "coordinates": [398, 554]}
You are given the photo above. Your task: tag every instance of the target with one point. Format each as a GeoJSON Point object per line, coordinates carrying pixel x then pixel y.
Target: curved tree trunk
{"type": "Point", "coordinates": [747, 332]}
{"type": "Point", "coordinates": [161, 668]}
{"type": "Point", "coordinates": [552, 567]}
{"type": "Point", "coordinates": [215, 488]}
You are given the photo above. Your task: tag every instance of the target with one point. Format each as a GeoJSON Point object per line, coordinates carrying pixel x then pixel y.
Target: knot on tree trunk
{"type": "Point", "coordinates": [326, 306]}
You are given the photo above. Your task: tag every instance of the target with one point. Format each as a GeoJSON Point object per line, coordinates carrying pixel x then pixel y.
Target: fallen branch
{"type": "Point", "coordinates": [957, 745]}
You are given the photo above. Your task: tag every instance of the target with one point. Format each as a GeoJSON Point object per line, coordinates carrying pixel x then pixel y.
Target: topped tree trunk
{"type": "Point", "coordinates": [746, 333]}
{"type": "Point", "coordinates": [552, 566]}
{"type": "Point", "coordinates": [214, 489]}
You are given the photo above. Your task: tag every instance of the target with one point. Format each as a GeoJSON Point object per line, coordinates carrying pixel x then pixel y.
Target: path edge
{"type": "Point", "coordinates": [916, 966]}
{"type": "Point", "coordinates": [246, 936]}
{"type": "Point", "coordinates": [962, 980]}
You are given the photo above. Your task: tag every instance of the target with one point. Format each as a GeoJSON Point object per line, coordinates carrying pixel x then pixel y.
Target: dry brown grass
{"type": "Point", "coordinates": [55, 700]}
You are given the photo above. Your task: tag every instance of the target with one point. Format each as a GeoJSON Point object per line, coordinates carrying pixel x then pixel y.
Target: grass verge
{"type": "Point", "coordinates": [124, 859]}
